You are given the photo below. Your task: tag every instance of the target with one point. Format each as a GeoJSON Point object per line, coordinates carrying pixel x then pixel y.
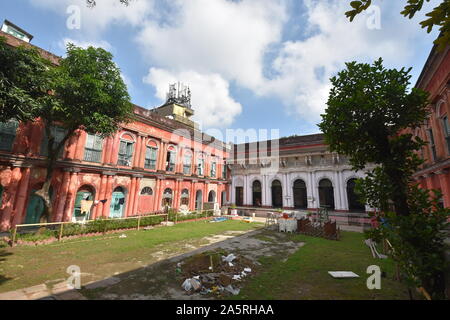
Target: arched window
{"type": "Point", "coordinates": [187, 162]}
{"type": "Point", "coordinates": [147, 191]}
{"type": "Point", "coordinates": [171, 159]}
{"type": "Point", "coordinates": [126, 149]}
{"type": "Point", "coordinates": [257, 193]}
{"type": "Point", "coordinates": [8, 134]}
{"type": "Point", "coordinates": [326, 194]}
{"type": "Point", "coordinates": [446, 131]}
{"type": "Point", "coordinates": [201, 165]}
{"type": "Point", "coordinates": [151, 154]}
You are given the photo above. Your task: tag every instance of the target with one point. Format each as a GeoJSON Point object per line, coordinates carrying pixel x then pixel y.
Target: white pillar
{"type": "Point", "coordinates": [337, 192]}
{"type": "Point", "coordinates": [344, 195]}
{"type": "Point", "coordinates": [263, 190]}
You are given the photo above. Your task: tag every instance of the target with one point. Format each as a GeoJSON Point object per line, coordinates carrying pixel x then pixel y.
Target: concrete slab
{"type": "Point", "coordinates": [35, 289]}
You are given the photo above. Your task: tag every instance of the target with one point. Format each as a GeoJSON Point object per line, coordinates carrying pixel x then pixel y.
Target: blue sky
{"type": "Point", "coordinates": [251, 64]}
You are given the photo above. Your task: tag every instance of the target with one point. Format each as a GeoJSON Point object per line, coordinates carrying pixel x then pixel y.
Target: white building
{"type": "Point", "coordinates": [293, 173]}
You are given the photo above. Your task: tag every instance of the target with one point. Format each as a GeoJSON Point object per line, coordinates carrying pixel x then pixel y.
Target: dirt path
{"type": "Point", "coordinates": [161, 281]}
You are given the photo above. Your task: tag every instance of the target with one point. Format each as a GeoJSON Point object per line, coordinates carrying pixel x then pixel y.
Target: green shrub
{"type": "Point", "coordinates": [97, 226]}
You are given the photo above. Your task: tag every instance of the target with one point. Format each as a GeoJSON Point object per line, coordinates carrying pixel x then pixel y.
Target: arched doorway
{"type": "Point", "coordinates": [212, 196]}
{"type": "Point", "coordinates": [300, 195]}
{"type": "Point", "coordinates": [198, 200]}
{"type": "Point", "coordinates": [326, 194]}
{"type": "Point", "coordinates": [145, 204]}
{"type": "Point", "coordinates": [36, 206]}
{"type": "Point", "coordinates": [167, 199]}
{"type": "Point", "coordinates": [117, 203]}
{"type": "Point", "coordinates": [353, 203]}
{"type": "Point", "coordinates": [277, 194]}
{"type": "Point", "coordinates": [83, 204]}
{"type": "Point", "coordinates": [257, 193]}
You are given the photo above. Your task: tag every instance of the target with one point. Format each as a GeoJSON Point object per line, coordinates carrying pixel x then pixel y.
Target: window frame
{"type": "Point", "coordinates": [97, 142]}
{"type": "Point", "coordinates": [148, 160]}
{"type": "Point", "coordinates": [10, 136]}
{"type": "Point", "coordinates": [125, 159]}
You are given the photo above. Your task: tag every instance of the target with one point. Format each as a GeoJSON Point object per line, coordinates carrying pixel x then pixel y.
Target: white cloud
{"type": "Point", "coordinates": [213, 105]}
{"type": "Point", "coordinates": [210, 44]}
{"type": "Point", "coordinates": [85, 44]}
{"type": "Point", "coordinates": [219, 36]}
{"type": "Point", "coordinates": [95, 20]}
{"type": "Point", "coordinates": [305, 66]}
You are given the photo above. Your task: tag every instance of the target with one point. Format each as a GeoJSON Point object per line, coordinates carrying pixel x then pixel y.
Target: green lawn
{"type": "Point", "coordinates": [102, 256]}
{"type": "Point", "coordinates": [304, 274]}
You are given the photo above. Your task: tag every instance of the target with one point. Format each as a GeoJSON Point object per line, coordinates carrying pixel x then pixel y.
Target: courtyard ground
{"type": "Point", "coordinates": [143, 265]}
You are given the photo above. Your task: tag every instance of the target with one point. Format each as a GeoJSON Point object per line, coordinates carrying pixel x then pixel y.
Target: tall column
{"type": "Point", "coordinates": [71, 194]}
{"type": "Point", "coordinates": [63, 189]}
{"type": "Point", "coordinates": [22, 193]}
{"type": "Point", "coordinates": [108, 194]}
{"type": "Point", "coordinates": [263, 191]}
{"type": "Point", "coordinates": [205, 193]}
{"type": "Point", "coordinates": [107, 152]}
{"type": "Point", "coordinates": [9, 198]}
{"type": "Point", "coordinates": [177, 194]}
{"type": "Point", "coordinates": [115, 149]}
{"type": "Point", "coordinates": [143, 151]}
{"type": "Point", "coordinates": [137, 194]}
{"type": "Point", "coordinates": [337, 192]}
{"type": "Point", "coordinates": [192, 195]}
{"type": "Point", "coordinates": [158, 193]}
{"type": "Point", "coordinates": [130, 200]}
{"type": "Point", "coordinates": [79, 153]}
{"type": "Point", "coordinates": [98, 212]}
{"type": "Point", "coordinates": [164, 155]}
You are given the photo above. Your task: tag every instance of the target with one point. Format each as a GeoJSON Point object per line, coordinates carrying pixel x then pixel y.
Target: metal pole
{"type": "Point", "coordinates": [60, 231]}
{"type": "Point", "coordinates": [14, 236]}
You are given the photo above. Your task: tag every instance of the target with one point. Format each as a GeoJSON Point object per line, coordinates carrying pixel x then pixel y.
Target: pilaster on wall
{"type": "Point", "coordinates": [8, 198]}
{"type": "Point", "coordinates": [19, 215]}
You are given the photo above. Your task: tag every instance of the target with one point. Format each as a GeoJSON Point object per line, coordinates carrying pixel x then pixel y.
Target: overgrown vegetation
{"type": "Point", "coordinates": [371, 112]}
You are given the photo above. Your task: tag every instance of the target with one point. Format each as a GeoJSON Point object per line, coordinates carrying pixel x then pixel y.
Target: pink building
{"type": "Point", "coordinates": [151, 164]}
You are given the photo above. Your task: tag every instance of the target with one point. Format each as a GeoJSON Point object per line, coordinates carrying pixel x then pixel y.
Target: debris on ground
{"type": "Point", "coordinates": [214, 273]}
{"type": "Point", "coordinates": [149, 228]}
{"type": "Point", "coordinates": [191, 284]}
{"type": "Point", "coordinates": [122, 236]}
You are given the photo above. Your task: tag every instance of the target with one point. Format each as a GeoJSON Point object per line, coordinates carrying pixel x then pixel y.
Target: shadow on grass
{"type": "Point", "coordinates": [3, 255]}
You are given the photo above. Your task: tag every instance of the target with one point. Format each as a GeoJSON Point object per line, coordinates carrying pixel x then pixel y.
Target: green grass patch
{"type": "Point", "coordinates": [304, 275]}
{"type": "Point", "coordinates": [103, 256]}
